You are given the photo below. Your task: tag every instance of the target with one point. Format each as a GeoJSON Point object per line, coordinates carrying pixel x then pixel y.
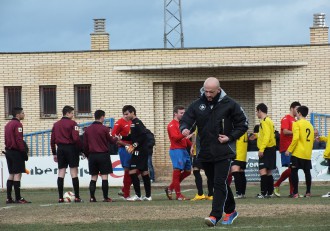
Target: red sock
{"type": "Point", "coordinates": [283, 177]}
{"type": "Point", "coordinates": [127, 184]}
{"type": "Point", "coordinates": [176, 182]}
{"type": "Point", "coordinates": [229, 179]}
{"type": "Point", "coordinates": [184, 174]}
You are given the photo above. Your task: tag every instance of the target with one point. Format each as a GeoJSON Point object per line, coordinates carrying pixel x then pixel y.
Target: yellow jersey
{"type": "Point", "coordinates": [326, 154]}
{"type": "Point", "coordinates": [241, 148]}
{"type": "Point", "coordinates": [266, 136]}
{"type": "Point", "coordinates": [302, 140]}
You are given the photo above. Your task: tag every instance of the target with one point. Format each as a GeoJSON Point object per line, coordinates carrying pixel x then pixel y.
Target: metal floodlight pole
{"type": "Point", "coordinates": [173, 28]}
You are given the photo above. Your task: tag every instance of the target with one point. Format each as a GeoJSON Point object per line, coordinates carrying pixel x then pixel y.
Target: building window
{"type": "Point", "coordinates": [48, 101]}
{"type": "Point", "coordinates": [13, 98]}
{"type": "Point", "coordinates": [82, 105]}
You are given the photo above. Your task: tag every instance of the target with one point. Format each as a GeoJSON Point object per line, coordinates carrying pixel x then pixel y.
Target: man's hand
{"type": "Point", "coordinates": [287, 153]}
{"type": "Point", "coordinates": [55, 158]}
{"type": "Point", "coordinates": [192, 149]}
{"type": "Point", "coordinates": [223, 138]}
{"type": "Point", "coordinates": [186, 132]}
{"type": "Point", "coordinates": [129, 148]}
{"type": "Point", "coordinates": [260, 154]}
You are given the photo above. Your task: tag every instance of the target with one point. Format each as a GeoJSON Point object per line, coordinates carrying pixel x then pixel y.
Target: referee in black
{"type": "Point", "coordinates": [15, 155]}
{"type": "Point", "coordinates": [65, 135]}
{"type": "Point", "coordinates": [96, 148]}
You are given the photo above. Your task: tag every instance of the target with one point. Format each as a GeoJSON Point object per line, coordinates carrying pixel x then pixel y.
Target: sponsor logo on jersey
{"type": "Point", "coordinates": [20, 129]}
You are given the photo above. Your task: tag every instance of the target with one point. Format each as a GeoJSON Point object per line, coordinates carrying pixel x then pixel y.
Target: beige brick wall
{"type": "Point", "coordinates": [154, 92]}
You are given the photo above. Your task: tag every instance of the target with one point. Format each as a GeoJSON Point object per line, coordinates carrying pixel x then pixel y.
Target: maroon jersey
{"type": "Point", "coordinates": [97, 138]}
{"type": "Point", "coordinates": [65, 131]}
{"type": "Point", "coordinates": [14, 135]}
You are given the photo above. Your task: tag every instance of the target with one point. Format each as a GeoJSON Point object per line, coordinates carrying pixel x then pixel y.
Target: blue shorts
{"type": "Point", "coordinates": [180, 159]}
{"type": "Point", "coordinates": [125, 157]}
{"type": "Point", "coordinates": [285, 159]}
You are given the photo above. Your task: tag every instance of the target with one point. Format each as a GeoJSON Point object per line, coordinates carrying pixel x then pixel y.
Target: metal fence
{"type": "Point", "coordinates": [320, 122]}
{"type": "Point", "coordinates": [39, 142]}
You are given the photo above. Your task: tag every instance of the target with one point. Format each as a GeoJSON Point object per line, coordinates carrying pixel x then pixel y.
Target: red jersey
{"type": "Point", "coordinates": [14, 135]}
{"type": "Point", "coordinates": [285, 140]}
{"type": "Point", "coordinates": [97, 139]}
{"type": "Point", "coordinates": [122, 127]}
{"type": "Point", "coordinates": [65, 131]}
{"type": "Point", "coordinates": [178, 141]}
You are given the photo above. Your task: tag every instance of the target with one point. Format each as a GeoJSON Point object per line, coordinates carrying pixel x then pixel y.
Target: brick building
{"type": "Point", "coordinates": [154, 80]}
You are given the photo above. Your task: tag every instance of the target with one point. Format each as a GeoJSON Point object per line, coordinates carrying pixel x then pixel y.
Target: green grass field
{"type": "Point", "coordinates": [44, 213]}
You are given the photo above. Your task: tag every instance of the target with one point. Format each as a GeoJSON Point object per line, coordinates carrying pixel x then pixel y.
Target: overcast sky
{"type": "Point", "coordinates": [65, 25]}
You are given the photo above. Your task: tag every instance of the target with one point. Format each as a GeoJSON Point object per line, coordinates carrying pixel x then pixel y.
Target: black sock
{"type": "Point", "coordinates": [243, 180]}
{"type": "Point", "coordinates": [92, 188]}
{"type": "Point", "coordinates": [136, 184]}
{"type": "Point", "coordinates": [9, 188]}
{"type": "Point", "coordinates": [294, 180]}
{"type": "Point", "coordinates": [263, 184]}
{"type": "Point", "coordinates": [60, 185]}
{"type": "Point", "coordinates": [147, 185]}
{"type": "Point", "coordinates": [199, 182]}
{"type": "Point", "coordinates": [75, 183]}
{"type": "Point", "coordinates": [308, 180]}
{"type": "Point", "coordinates": [270, 188]}
{"type": "Point", "coordinates": [238, 182]}
{"type": "Point", "coordinates": [105, 188]}
{"type": "Point", "coordinates": [17, 189]}
{"type": "Point", "coordinates": [210, 186]}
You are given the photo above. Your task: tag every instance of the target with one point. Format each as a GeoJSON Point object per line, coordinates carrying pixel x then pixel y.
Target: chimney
{"type": "Point", "coordinates": [319, 31]}
{"type": "Point", "coordinates": [99, 38]}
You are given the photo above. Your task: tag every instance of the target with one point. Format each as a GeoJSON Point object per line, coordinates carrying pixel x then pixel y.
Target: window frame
{"type": "Point", "coordinates": [76, 101]}
{"type": "Point", "coordinates": [42, 105]}
{"type": "Point", "coordinates": [8, 110]}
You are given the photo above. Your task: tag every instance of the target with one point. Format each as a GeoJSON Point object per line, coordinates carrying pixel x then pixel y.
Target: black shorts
{"type": "Point", "coordinates": [67, 154]}
{"type": "Point", "coordinates": [241, 164]}
{"type": "Point", "coordinates": [139, 161]}
{"type": "Point", "coordinates": [99, 163]}
{"type": "Point", "coordinates": [300, 163]}
{"type": "Point", "coordinates": [268, 161]}
{"type": "Point", "coordinates": [15, 161]}
{"type": "Point", "coordinates": [196, 163]}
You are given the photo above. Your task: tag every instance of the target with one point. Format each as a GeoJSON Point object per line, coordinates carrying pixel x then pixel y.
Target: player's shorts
{"type": "Point", "coordinates": [67, 155]}
{"type": "Point", "coordinates": [15, 161]}
{"type": "Point", "coordinates": [139, 160]}
{"type": "Point", "coordinates": [196, 163]}
{"type": "Point", "coordinates": [300, 163]}
{"type": "Point", "coordinates": [268, 161]}
{"type": "Point", "coordinates": [125, 157]}
{"type": "Point", "coordinates": [285, 160]}
{"type": "Point", "coordinates": [99, 163]}
{"type": "Point", "coordinates": [241, 164]}
{"type": "Point", "coordinates": [180, 159]}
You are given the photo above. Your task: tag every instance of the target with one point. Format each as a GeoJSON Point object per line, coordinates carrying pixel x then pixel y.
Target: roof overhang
{"type": "Point", "coordinates": [207, 66]}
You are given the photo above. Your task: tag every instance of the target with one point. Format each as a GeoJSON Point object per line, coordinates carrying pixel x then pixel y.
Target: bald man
{"type": "Point", "coordinates": [220, 122]}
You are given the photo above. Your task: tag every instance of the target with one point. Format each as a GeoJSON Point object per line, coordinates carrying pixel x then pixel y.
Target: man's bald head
{"type": "Point", "coordinates": [211, 88]}
{"type": "Point", "coordinates": [212, 82]}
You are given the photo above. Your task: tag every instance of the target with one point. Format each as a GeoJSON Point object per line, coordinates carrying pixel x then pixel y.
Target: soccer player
{"type": "Point", "coordinates": [285, 141]}
{"type": "Point", "coordinates": [65, 135]}
{"type": "Point", "coordinates": [301, 149]}
{"type": "Point", "coordinates": [220, 121]}
{"type": "Point", "coordinates": [239, 165]}
{"type": "Point", "coordinates": [267, 152]}
{"type": "Point", "coordinates": [179, 155]}
{"type": "Point", "coordinates": [326, 154]}
{"type": "Point", "coordinates": [15, 155]}
{"type": "Point", "coordinates": [197, 166]}
{"type": "Point", "coordinates": [122, 128]}
{"type": "Point", "coordinates": [139, 151]}
{"type": "Point", "coordinates": [96, 148]}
